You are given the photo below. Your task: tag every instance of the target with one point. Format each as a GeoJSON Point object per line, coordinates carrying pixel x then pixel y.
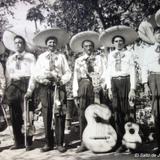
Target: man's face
{"type": "Point", "coordinates": [157, 35]}
{"type": "Point", "coordinates": [118, 43]}
{"type": "Point", "coordinates": [19, 44]}
{"type": "Point", "coordinates": [52, 44]}
{"type": "Point", "coordinates": [88, 47]}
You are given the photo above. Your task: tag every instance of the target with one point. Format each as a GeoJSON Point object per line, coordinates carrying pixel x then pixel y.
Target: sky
{"type": "Point", "coordinates": [20, 12]}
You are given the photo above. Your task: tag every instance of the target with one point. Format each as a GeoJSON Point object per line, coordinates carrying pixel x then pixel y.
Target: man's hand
{"type": "Point", "coordinates": [45, 81]}
{"type": "Point", "coordinates": [48, 74]}
{"type": "Point", "coordinates": [76, 101]}
{"type": "Point", "coordinates": [131, 95]}
{"type": "Point", "coordinates": [52, 76]}
{"type": "Point", "coordinates": [110, 95]}
{"type": "Point", "coordinates": [59, 82]}
{"type": "Point", "coordinates": [28, 95]}
{"type": "Point", "coordinates": [147, 90]}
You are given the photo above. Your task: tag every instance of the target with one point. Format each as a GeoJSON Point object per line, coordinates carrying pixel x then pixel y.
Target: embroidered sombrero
{"type": "Point", "coordinates": [2, 48]}
{"type": "Point", "coordinates": [61, 35]}
{"type": "Point", "coordinates": [76, 40]}
{"type": "Point", "coordinates": [24, 32]}
{"type": "Point", "coordinates": [129, 34]}
{"type": "Point", "coordinates": [157, 18]}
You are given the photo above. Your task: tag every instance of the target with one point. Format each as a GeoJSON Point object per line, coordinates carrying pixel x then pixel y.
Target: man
{"type": "Point", "coordinates": [121, 80]}
{"type": "Point", "coordinates": [151, 80]}
{"type": "Point", "coordinates": [2, 77]}
{"type": "Point", "coordinates": [18, 70]}
{"type": "Point", "coordinates": [2, 88]}
{"type": "Point", "coordinates": [51, 73]}
{"type": "Point", "coordinates": [3, 124]}
{"type": "Point", "coordinates": [86, 66]}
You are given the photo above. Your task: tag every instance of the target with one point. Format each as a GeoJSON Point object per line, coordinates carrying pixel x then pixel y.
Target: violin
{"type": "Point", "coordinates": [99, 136]}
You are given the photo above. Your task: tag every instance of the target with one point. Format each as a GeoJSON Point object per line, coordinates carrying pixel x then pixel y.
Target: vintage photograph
{"type": "Point", "coordinates": [79, 79]}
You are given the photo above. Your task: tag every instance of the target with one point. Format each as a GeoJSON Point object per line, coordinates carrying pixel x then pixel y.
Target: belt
{"type": "Point", "coordinates": [120, 77]}
{"type": "Point", "coordinates": [154, 72]}
{"type": "Point", "coordinates": [21, 79]}
{"type": "Point", "coordinates": [86, 78]}
{"type": "Point", "coordinates": [49, 85]}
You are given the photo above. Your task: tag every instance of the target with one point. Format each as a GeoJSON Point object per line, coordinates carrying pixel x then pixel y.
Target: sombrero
{"type": "Point", "coordinates": [2, 48]}
{"type": "Point", "coordinates": [145, 29]}
{"type": "Point", "coordinates": [157, 18]}
{"type": "Point", "coordinates": [61, 35]}
{"type": "Point", "coordinates": [126, 32]}
{"type": "Point", "coordinates": [76, 40]}
{"type": "Point", "coordinates": [11, 33]}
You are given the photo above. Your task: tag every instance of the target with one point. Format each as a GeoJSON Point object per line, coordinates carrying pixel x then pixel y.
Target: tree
{"type": "Point", "coordinates": [79, 15]}
{"type": "Point", "coordinates": [5, 8]}
{"type": "Point", "coordinates": [35, 14]}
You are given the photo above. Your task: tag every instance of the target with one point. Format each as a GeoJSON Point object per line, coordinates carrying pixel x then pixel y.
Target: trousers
{"type": "Point", "coordinates": [15, 99]}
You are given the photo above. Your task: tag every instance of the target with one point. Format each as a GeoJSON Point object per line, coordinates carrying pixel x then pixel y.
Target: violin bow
{"type": "Point", "coordinates": [25, 122]}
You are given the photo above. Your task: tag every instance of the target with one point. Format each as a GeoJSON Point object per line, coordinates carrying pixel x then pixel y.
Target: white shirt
{"type": "Point", "coordinates": [127, 67]}
{"type": "Point", "coordinates": [81, 71]}
{"type": "Point", "coordinates": [42, 66]}
{"type": "Point", "coordinates": [26, 65]}
{"type": "Point", "coordinates": [150, 62]}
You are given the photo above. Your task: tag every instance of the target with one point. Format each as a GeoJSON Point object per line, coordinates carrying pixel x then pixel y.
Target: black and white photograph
{"type": "Point", "coordinates": [79, 79]}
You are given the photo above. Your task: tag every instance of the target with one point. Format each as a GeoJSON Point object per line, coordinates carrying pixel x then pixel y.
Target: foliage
{"type": "Point", "coordinates": [35, 14]}
{"type": "Point", "coordinates": [5, 8]}
{"type": "Point", "coordinates": [79, 15]}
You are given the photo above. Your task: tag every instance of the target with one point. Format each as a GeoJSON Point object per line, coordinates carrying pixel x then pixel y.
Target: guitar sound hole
{"type": "Point", "coordinates": [131, 131]}
{"type": "Point", "coordinates": [100, 120]}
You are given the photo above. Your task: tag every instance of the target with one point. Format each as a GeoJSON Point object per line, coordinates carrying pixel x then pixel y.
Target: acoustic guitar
{"type": "Point", "coordinates": [99, 136]}
{"type": "Point", "coordinates": [131, 138]}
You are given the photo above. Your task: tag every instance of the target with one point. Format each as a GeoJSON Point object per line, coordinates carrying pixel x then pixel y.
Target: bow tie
{"type": "Point", "coordinates": [90, 63]}
{"type": "Point", "coordinates": [90, 59]}
{"type": "Point", "coordinates": [119, 55]}
{"type": "Point", "coordinates": [19, 57]}
{"type": "Point", "coordinates": [158, 49]}
{"type": "Point", "coordinates": [52, 58]}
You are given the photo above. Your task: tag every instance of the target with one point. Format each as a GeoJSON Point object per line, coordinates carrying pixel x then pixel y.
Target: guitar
{"type": "Point", "coordinates": [131, 138]}
{"type": "Point", "coordinates": [99, 136]}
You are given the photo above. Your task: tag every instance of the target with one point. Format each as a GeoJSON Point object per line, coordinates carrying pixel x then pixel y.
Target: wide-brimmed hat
{"type": "Point", "coordinates": [157, 18]}
{"type": "Point", "coordinates": [22, 31]}
{"type": "Point", "coordinates": [146, 28]}
{"type": "Point", "coordinates": [129, 34]}
{"type": "Point", "coordinates": [2, 48]}
{"type": "Point", "coordinates": [76, 40]}
{"type": "Point", "coordinates": [61, 35]}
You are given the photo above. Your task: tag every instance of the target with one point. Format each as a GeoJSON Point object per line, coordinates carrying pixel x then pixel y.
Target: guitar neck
{"type": "Point", "coordinates": [96, 98]}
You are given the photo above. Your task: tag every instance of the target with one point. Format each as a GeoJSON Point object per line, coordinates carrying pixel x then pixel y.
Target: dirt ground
{"type": "Point", "coordinates": [35, 154]}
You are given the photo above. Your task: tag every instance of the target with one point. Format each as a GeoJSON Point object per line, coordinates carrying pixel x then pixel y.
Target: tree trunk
{"type": "Point", "coordinates": [35, 22]}
{"type": "Point", "coordinates": [98, 14]}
